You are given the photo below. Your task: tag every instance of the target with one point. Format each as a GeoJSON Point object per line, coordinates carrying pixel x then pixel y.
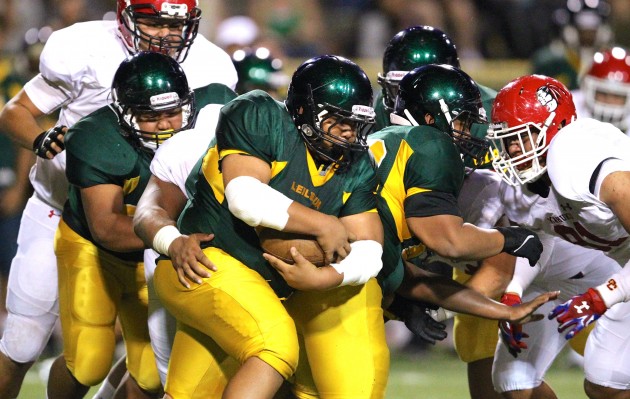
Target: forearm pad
{"type": "Point", "coordinates": [256, 203]}
{"type": "Point", "coordinates": [363, 262]}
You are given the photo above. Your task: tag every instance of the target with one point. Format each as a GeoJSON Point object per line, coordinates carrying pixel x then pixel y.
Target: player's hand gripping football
{"type": "Point", "coordinates": [521, 242]}
{"type": "Point", "coordinates": [188, 259]}
{"type": "Point", "coordinates": [578, 312]}
{"type": "Point", "coordinates": [50, 142]}
{"type": "Point", "coordinates": [334, 239]}
{"type": "Point", "coordinates": [304, 275]}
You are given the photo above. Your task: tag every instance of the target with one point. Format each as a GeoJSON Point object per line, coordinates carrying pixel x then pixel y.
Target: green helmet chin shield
{"type": "Point", "coordinates": [409, 49]}
{"type": "Point", "coordinates": [331, 87]}
{"type": "Point", "coordinates": [444, 97]}
{"type": "Point", "coordinates": [151, 83]}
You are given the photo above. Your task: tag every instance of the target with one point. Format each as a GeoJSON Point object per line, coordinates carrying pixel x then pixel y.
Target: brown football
{"type": "Point", "coordinates": [278, 243]}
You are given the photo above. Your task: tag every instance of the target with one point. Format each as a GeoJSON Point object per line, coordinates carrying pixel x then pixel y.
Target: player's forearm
{"type": "Point", "coordinates": [493, 276]}
{"type": "Point", "coordinates": [148, 221]}
{"type": "Point", "coordinates": [19, 124]}
{"type": "Point", "coordinates": [117, 234]}
{"type": "Point", "coordinates": [454, 296]}
{"type": "Point", "coordinates": [304, 220]}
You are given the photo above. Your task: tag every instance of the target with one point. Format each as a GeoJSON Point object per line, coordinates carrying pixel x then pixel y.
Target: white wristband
{"type": "Point", "coordinates": [164, 238]}
{"type": "Point", "coordinates": [612, 291]}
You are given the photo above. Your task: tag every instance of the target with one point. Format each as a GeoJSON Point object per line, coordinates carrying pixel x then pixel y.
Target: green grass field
{"type": "Point", "coordinates": [435, 374]}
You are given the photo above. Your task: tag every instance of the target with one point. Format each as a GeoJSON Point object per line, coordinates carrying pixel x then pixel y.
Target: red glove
{"type": "Point", "coordinates": [578, 312]}
{"type": "Point", "coordinates": [511, 334]}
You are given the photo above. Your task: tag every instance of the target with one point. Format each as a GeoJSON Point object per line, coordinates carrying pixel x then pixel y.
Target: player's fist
{"type": "Point", "coordinates": [578, 312]}
{"type": "Point", "coordinates": [50, 141]}
{"type": "Point", "coordinates": [416, 317]}
{"type": "Point", "coordinates": [512, 334]}
{"type": "Point", "coordinates": [521, 242]}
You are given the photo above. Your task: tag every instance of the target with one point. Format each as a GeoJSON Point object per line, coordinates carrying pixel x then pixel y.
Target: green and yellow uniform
{"type": "Point", "coordinates": [246, 307]}
{"type": "Point", "coordinates": [420, 173]}
{"type": "Point", "coordinates": [479, 131]}
{"type": "Point", "coordinates": [96, 284]}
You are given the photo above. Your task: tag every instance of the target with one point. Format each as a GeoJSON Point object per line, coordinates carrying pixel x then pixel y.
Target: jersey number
{"type": "Point", "coordinates": [584, 238]}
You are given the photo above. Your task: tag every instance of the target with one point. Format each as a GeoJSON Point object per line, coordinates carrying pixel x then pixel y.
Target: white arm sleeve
{"type": "Point", "coordinates": [617, 288]}
{"type": "Point", "coordinates": [256, 203]}
{"type": "Point", "coordinates": [523, 276]}
{"type": "Point", "coordinates": [363, 262]}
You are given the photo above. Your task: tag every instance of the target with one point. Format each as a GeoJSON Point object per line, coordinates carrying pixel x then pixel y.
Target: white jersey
{"type": "Point", "coordinates": [175, 158]}
{"type": "Point", "coordinates": [479, 204]}
{"type": "Point", "coordinates": [77, 66]}
{"type": "Point", "coordinates": [573, 214]}
{"type": "Point", "coordinates": [574, 155]}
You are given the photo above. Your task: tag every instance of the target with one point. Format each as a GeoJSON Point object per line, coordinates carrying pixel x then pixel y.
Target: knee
{"type": "Point", "coordinates": [595, 391]}
{"type": "Point", "coordinates": [281, 350]}
{"type": "Point", "coordinates": [143, 367]}
{"type": "Point", "coordinates": [25, 338]}
{"type": "Point", "coordinates": [93, 355]}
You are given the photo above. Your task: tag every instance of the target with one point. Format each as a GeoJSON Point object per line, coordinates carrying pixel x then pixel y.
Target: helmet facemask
{"type": "Point", "coordinates": [460, 124]}
{"type": "Point", "coordinates": [175, 16]}
{"type": "Point", "coordinates": [457, 124]}
{"type": "Point", "coordinates": [163, 103]}
{"type": "Point", "coordinates": [617, 113]}
{"type": "Point", "coordinates": [529, 164]}
{"type": "Point", "coordinates": [328, 146]}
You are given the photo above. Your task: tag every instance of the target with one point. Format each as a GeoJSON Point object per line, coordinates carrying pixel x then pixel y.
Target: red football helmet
{"type": "Point", "coordinates": [527, 113]}
{"type": "Point", "coordinates": [181, 16]}
{"type": "Point", "coordinates": [606, 87]}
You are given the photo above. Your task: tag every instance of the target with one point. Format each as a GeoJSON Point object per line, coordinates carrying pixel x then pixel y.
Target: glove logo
{"type": "Point", "coordinates": [580, 308]}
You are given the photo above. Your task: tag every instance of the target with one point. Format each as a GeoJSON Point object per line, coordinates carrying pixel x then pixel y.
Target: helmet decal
{"type": "Point", "coordinates": [546, 99]}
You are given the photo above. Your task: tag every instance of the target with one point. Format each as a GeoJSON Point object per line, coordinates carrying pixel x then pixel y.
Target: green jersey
{"type": "Point", "coordinates": [98, 152]}
{"type": "Point", "coordinates": [479, 131]}
{"type": "Point", "coordinates": [256, 124]}
{"type": "Point", "coordinates": [420, 173]}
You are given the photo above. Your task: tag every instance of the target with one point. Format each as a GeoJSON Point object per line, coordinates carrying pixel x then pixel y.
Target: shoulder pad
{"type": "Point", "coordinates": [97, 141]}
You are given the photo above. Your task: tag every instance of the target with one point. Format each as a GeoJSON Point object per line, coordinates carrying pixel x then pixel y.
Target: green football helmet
{"type": "Point", "coordinates": [409, 49]}
{"type": "Point", "coordinates": [258, 69]}
{"type": "Point", "coordinates": [153, 83]}
{"type": "Point", "coordinates": [442, 96]}
{"type": "Point", "coordinates": [331, 87]}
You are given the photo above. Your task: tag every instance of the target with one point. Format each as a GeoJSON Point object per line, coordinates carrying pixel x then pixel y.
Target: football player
{"type": "Point", "coordinates": [579, 169]}
{"type": "Point", "coordinates": [98, 255]}
{"type": "Point", "coordinates": [91, 51]}
{"type": "Point", "coordinates": [604, 92]}
{"type": "Point", "coordinates": [257, 68]}
{"type": "Point", "coordinates": [418, 190]}
{"type": "Point", "coordinates": [414, 47]}
{"type": "Point", "coordinates": [584, 28]}
{"type": "Point", "coordinates": [308, 165]}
